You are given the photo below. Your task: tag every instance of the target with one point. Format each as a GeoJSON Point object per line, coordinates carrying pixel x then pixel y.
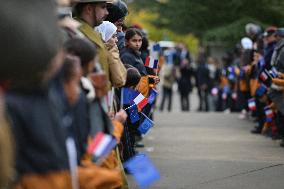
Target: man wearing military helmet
{"type": "Point", "coordinates": [94, 12]}
{"type": "Point", "coordinates": [91, 13]}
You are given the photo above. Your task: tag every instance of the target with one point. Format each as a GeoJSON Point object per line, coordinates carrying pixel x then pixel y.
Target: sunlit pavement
{"type": "Point", "coordinates": [212, 151]}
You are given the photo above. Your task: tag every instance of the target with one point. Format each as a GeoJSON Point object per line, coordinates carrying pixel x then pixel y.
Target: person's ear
{"type": "Point", "coordinates": [89, 8]}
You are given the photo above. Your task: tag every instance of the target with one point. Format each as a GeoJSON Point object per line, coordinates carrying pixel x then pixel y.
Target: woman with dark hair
{"type": "Point", "coordinates": [131, 54]}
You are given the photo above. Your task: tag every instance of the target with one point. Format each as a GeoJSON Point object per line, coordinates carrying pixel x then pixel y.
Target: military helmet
{"type": "Point", "coordinates": [94, 1]}
{"type": "Point", "coordinates": [117, 10]}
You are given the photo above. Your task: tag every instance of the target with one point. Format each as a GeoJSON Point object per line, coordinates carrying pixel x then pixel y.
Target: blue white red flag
{"type": "Point", "coordinates": [273, 72]}
{"type": "Point", "coordinates": [128, 96]}
{"type": "Point", "coordinates": [263, 76]}
{"type": "Point", "coordinates": [151, 62]}
{"type": "Point", "coordinates": [101, 145]}
{"type": "Point", "coordinates": [252, 104]}
{"type": "Point", "coordinates": [269, 114]}
{"type": "Point", "coordinates": [141, 101]}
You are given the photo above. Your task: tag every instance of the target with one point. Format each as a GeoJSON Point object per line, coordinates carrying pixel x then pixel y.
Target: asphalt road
{"type": "Point", "coordinates": [212, 151]}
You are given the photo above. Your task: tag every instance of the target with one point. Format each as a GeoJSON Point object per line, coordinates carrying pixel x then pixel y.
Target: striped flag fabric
{"type": "Point", "coordinates": [252, 104]}
{"type": "Point", "coordinates": [128, 96]}
{"type": "Point", "coordinates": [101, 145]}
{"type": "Point", "coordinates": [151, 62]}
{"type": "Point", "coordinates": [140, 101]}
{"type": "Point", "coordinates": [273, 72]}
{"type": "Point", "coordinates": [269, 114]}
{"type": "Point", "coordinates": [263, 76]}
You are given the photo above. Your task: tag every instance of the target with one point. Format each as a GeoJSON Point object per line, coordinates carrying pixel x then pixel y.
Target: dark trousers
{"type": "Point", "coordinates": [184, 101]}
{"type": "Point", "coordinates": [260, 114]}
{"type": "Point", "coordinates": [203, 100]}
{"type": "Point", "coordinates": [167, 94]}
{"type": "Point", "coordinates": [280, 123]}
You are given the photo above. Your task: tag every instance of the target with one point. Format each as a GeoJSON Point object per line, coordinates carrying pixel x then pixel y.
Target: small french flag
{"type": "Point", "coordinates": [151, 62]}
{"type": "Point", "coordinates": [140, 101]}
{"type": "Point", "coordinates": [101, 145]}
{"type": "Point", "coordinates": [263, 76]}
{"type": "Point", "coordinates": [252, 104]}
{"type": "Point", "coordinates": [273, 72]}
{"type": "Point", "coordinates": [268, 112]}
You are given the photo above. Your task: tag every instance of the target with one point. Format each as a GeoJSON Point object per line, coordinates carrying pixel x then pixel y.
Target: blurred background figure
{"type": "Point", "coordinates": [202, 80]}
{"type": "Point", "coordinates": [184, 76]}
{"type": "Point", "coordinates": [168, 79]}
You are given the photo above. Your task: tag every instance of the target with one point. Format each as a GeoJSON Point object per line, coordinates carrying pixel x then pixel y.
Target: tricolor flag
{"type": "Point", "coordinates": [252, 104]}
{"type": "Point", "coordinates": [269, 114]}
{"type": "Point", "coordinates": [152, 96]}
{"type": "Point", "coordinates": [141, 101]}
{"type": "Point", "coordinates": [151, 62]}
{"type": "Point", "coordinates": [128, 96]}
{"type": "Point", "coordinates": [263, 76]}
{"type": "Point", "coordinates": [101, 145]}
{"type": "Point", "coordinates": [273, 72]}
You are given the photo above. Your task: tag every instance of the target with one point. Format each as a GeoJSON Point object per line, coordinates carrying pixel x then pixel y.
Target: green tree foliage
{"type": "Point", "coordinates": [212, 20]}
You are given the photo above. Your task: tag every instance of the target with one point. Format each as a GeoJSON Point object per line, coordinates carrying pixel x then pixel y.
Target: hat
{"type": "Point", "coordinates": [106, 29]}
{"type": "Point", "coordinates": [270, 31]}
{"type": "Point", "coordinates": [280, 32]}
{"type": "Point", "coordinates": [117, 10]}
{"type": "Point", "coordinates": [94, 1]}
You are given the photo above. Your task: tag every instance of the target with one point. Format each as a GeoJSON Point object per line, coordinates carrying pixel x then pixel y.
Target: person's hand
{"type": "Point", "coordinates": [111, 115]}
{"type": "Point", "coordinates": [121, 116]}
{"type": "Point", "coordinates": [111, 43]}
{"type": "Point", "coordinates": [157, 80]}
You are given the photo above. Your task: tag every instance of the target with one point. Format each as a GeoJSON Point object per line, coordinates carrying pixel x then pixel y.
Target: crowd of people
{"type": "Point", "coordinates": [77, 91]}
{"type": "Point", "coordinates": [251, 80]}
{"type": "Point", "coordinates": [248, 79]}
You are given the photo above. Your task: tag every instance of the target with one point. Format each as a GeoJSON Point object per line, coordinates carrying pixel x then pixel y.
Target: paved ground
{"type": "Point", "coordinates": [212, 151]}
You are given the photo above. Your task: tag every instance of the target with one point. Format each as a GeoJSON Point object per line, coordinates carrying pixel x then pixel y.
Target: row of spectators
{"type": "Point", "coordinates": [72, 87]}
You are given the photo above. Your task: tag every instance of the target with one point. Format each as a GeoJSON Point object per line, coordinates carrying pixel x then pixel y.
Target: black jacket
{"type": "Point", "coordinates": [131, 57]}
{"type": "Point", "coordinates": [41, 123]}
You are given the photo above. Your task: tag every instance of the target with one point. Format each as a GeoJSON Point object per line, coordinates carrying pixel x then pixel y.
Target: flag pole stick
{"type": "Point", "coordinates": [130, 107]}
{"type": "Point", "coordinates": [121, 98]}
{"type": "Point", "coordinates": [111, 99]}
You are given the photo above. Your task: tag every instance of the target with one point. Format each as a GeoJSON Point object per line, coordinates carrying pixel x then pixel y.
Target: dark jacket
{"type": "Point", "coordinates": [202, 75]}
{"type": "Point", "coordinates": [131, 57]}
{"type": "Point", "coordinates": [40, 139]}
{"type": "Point", "coordinates": [268, 51]}
{"type": "Point", "coordinates": [41, 123]}
{"type": "Point", "coordinates": [184, 82]}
